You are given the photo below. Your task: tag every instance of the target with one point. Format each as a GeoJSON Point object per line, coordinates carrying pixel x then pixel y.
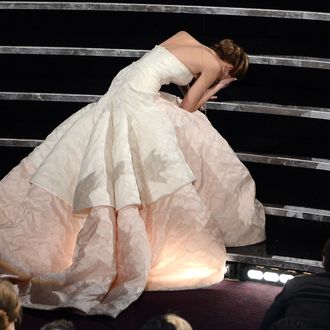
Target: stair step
{"type": "Point", "coordinates": [161, 8]}
{"type": "Point", "coordinates": [297, 212]}
{"type": "Point", "coordinates": [256, 255]}
{"type": "Point", "coordinates": [304, 162]}
{"type": "Point", "coordinates": [294, 61]}
{"type": "Point", "coordinates": [236, 106]}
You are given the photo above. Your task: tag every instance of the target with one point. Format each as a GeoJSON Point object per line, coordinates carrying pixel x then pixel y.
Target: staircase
{"type": "Point", "coordinates": [58, 56]}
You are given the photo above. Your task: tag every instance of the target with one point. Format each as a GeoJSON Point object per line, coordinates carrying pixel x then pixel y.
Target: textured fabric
{"type": "Point", "coordinates": [123, 136]}
{"type": "Point", "coordinates": [130, 193]}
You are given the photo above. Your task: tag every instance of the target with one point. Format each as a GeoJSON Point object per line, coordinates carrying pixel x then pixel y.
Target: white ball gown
{"type": "Point", "coordinates": [130, 193]}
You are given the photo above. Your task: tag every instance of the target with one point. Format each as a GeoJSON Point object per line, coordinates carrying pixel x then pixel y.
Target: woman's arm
{"type": "Point", "coordinates": [215, 88]}
{"type": "Point", "coordinates": [184, 89]}
{"type": "Point", "coordinates": [208, 94]}
{"type": "Point", "coordinates": [198, 91]}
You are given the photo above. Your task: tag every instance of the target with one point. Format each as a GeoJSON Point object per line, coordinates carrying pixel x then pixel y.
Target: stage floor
{"type": "Point", "coordinates": [229, 305]}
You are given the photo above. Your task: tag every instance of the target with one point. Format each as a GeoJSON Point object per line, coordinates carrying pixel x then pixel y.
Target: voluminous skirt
{"type": "Point", "coordinates": [98, 257]}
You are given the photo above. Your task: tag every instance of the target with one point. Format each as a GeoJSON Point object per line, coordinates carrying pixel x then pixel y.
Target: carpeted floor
{"type": "Point", "coordinates": [229, 305]}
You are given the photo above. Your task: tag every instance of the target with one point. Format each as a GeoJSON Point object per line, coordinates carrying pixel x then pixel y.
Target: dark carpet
{"type": "Point", "coordinates": [229, 305]}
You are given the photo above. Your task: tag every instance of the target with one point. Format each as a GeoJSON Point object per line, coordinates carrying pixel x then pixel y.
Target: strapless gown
{"type": "Point", "coordinates": [130, 193]}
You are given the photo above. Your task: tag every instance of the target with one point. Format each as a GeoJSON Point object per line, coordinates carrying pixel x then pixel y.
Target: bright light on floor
{"type": "Point", "coordinates": [254, 274]}
{"type": "Point", "coordinates": [268, 276]}
{"type": "Point", "coordinates": [285, 277]}
{"type": "Point", "coordinates": [271, 277]}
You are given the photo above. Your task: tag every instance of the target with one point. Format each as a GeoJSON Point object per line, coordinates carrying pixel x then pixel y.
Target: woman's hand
{"type": "Point", "coordinates": [215, 88]}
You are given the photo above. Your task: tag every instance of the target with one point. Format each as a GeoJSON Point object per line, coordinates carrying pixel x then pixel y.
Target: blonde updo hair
{"type": "Point", "coordinates": [168, 321]}
{"type": "Point", "coordinates": [228, 51]}
{"type": "Point", "coordinates": [10, 306]}
{"type": "Point", "coordinates": [178, 322]}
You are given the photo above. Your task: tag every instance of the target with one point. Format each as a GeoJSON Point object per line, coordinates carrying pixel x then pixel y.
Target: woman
{"type": "Point", "coordinates": [137, 191]}
{"type": "Point", "coordinates": [10, 306]}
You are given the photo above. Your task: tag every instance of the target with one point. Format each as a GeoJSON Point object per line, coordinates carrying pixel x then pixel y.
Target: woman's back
{"type": "Point", "coordinates": [190, 51]}
{"type": "Point", "coordinates": [156, 68]}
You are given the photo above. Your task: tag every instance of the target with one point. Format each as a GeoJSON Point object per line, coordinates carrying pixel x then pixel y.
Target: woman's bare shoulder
{"type": "Point", "coordinates": [197, 57]}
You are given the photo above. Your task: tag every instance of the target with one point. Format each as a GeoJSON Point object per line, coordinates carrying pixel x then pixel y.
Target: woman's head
{"type": "Point", "coordinates": [10, 306]}
{"type": "Point", "coordinates": [167, 322]}
{"type": "Point", "coordinates": [178, 322]}
{"type": "Point", "coordinates": [229, 52]}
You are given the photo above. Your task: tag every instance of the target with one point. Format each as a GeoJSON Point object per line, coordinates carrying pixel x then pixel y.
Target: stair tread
{"type": "Point", "coordinates": [257, 254]}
